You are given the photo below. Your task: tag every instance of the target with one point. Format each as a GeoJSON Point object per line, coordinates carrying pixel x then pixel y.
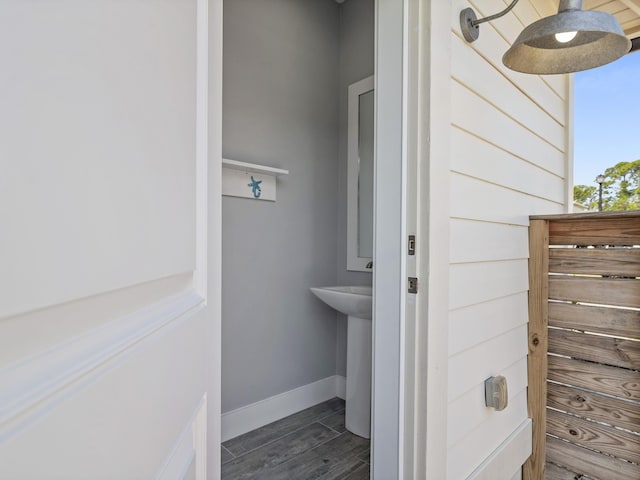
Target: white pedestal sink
{"type": "Point", "coordinates": [356, 302]}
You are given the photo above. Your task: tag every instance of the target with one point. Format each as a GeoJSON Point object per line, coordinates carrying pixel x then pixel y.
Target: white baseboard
{"type": "Point", "coordinates": [247, 418]}
{"type": "Point", "coordinates": [509, 457]}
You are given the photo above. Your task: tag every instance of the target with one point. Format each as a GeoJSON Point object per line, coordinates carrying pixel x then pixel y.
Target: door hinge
{"type": "Point", "coordinates": [413, 285]}
{"type": "Point", "coordinates": [411, 245]}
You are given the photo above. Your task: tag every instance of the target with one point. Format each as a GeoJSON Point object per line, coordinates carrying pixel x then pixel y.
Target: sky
{"type": "Point", "coordinates": [607, 114]}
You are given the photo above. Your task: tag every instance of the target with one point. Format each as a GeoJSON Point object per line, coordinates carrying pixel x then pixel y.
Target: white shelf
{"type": "Point", "coordinates": [248, 180]}
{"type": "Point", "coordinates": [253, 168]}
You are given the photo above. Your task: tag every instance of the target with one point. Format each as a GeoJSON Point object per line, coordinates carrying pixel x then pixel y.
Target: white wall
{"type": "Point", "coordinates": [280, 109]}
{"type": "Point", "coordinates": [508, 160]}
{"type": "Point", "coordinates": [103, 321]}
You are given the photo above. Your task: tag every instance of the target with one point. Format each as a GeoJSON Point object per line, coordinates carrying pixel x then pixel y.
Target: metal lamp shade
{"type": "Point", "coordinates": [599, 40]}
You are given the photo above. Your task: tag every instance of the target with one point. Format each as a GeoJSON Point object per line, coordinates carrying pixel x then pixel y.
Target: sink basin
{"type": "Point", "coordinates": [352, 301]}
{"type": "Point", "coordinates": [356, 302]}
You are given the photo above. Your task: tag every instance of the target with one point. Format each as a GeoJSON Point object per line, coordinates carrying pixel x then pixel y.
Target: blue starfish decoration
{"type": "Point", "coordinates": [255, 187]}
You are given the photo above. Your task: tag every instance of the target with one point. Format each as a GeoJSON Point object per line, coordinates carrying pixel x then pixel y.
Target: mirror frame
{"type": "Point", "coordinates": [354, 262]}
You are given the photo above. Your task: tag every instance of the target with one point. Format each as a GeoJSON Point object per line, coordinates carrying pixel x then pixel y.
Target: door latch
{"type": "Point", "coordinates": [413, 285]}
{"type": "Point", "coordinates": [411, 245]}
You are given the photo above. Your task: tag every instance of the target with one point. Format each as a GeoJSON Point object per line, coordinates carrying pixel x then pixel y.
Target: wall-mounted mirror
{"type": "Point", "coordinates": [360, 157]}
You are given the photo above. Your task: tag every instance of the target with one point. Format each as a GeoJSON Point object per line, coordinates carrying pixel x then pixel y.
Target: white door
{"type": "Point", "coordinates": [108, 272]}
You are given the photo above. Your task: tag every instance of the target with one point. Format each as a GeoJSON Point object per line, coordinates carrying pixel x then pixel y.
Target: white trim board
{"type": "Point", "coordinates": [32, 381]}
{"type": "Point", "coordinates": [248, 418]}
{"type": "Point", "coordinates": [253, 168]}
{"type": "Point", "coordinates": [190, 447]}
{"type": "Point", "coordinates": [508, 458]}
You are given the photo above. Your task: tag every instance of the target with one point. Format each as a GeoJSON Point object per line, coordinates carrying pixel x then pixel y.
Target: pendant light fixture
{"type": "Point", "coordinates": [570, 41]}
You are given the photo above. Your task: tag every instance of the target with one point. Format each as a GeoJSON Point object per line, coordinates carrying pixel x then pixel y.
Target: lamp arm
{"type": "Point", "coordinates": [497, 15]}
{"type": "Point", "coordinates": [469, 23]}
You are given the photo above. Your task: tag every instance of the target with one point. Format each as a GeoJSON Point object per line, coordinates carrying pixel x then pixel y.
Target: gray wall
{"type": "Point", "coordinates": [356, 63]}
{"type": "Point", "coordinates": [287, 68]}
{"type": "Point", "coordinates": [280, 108]}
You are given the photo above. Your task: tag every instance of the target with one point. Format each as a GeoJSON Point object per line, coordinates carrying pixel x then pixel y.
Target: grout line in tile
{"type": "Point", "coordinates": [228, 451]}
{"type": "Point", "coordinates": [332, 438]}
{"type": "Point", "coordinates": [311, 421]}
{"type": "Point", "coordinates": [299, 454]}
{"type": "Point", "coordinates": [349, 475]}
{"type": "Point", "coordinates": [328, 415]}
{"type": "Point", "coordinates": [284, 435]}
{"type": "Point", "coordinates": [320, 419]}
{"type": "Point", "coordinates": [332, 429]}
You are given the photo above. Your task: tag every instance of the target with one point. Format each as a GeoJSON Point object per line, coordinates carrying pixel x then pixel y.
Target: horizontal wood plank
{"type": "Point", "coordinates": [603, 438]}
{"type": "Point", "coordinates": [619, 413]}
{"type": "Point", "coordinates": [600, 230]}
{"type": "Point", "coordinates": [555, 472]}
{"type": "Point", "coordinates": [621, 261]}
{"type": "Point", "coordinates": [591, 376]}
{"type": "Point", "coordinates": [587, 462]}
{"type": "Point", "coordinates": [620, 292]}
{"type": "Point", "coordinates": [611, 321]}
{"type": "Point", "coordinates": [592, 216]}
{"type": "Point", "coordinates": [594, 348]}
{"type": "Point", "coordinates": [593, 387]}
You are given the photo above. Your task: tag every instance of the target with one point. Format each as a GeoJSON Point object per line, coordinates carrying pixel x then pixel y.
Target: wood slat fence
{"type": "Point", "coordinates": [584, 346]}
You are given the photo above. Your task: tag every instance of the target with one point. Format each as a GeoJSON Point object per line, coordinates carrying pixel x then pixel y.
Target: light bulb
{"type": "Point", "coordinates": [564, 37]}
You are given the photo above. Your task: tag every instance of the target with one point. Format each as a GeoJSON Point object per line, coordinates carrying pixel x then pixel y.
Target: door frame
{"type": "Point", "coordinates": [214, 235]}
{"type": "Point", "coordinates": [389, 279]}
{"type": "Point", "coordinates": [394, 371]}
{"type": "Point", "coordinates": [411, 331]}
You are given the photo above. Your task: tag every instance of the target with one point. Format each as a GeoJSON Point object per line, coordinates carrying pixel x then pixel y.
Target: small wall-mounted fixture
{"type": "Point", "coordinates": [495, 392]}
{"type": "Point", "coordinates": [570, 41]}
{"type": "Point", "coordinates": [248, 180]}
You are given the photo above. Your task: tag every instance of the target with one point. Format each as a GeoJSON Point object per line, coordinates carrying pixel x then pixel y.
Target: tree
{"type": "Point", "coordinates": [622, 184]}
{"type": "Point", "coordinates": [620, 189]}
{"type": "Point", "coordinates": [586, 196]}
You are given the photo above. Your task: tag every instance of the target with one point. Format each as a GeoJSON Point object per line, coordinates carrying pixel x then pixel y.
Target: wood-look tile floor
{"type": "Point", "coordinates": [309, 445]}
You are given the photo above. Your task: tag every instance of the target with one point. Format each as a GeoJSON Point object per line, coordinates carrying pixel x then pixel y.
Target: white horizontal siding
{"type": "Point", "coordinates": [477, 241]}
{"type": "Point", "coordinates": [492, 44]}
{"type": "Point", "coordinates": [472, 366]}
{"type": "Point", "coordinates": [475, 157]}
{"type": "Point", "coordinates": [478, 282]}
{"type": "Point", "coordinates": [468, 411]}
{"type": "Point", "coordinates": [478, 323]}
{"type": "Point", "coordinates": [478, 117]}
{"type": "Point", "coordinates": [476, 74]}
{"type": "Point", "coordinates": [478, 444]}
{"type": "Point", "coordinates": [507, 459]}
{"type": "Point", "coordinates": [477, 200]}
{"type": "Point", "coordinates": [508, 161]}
